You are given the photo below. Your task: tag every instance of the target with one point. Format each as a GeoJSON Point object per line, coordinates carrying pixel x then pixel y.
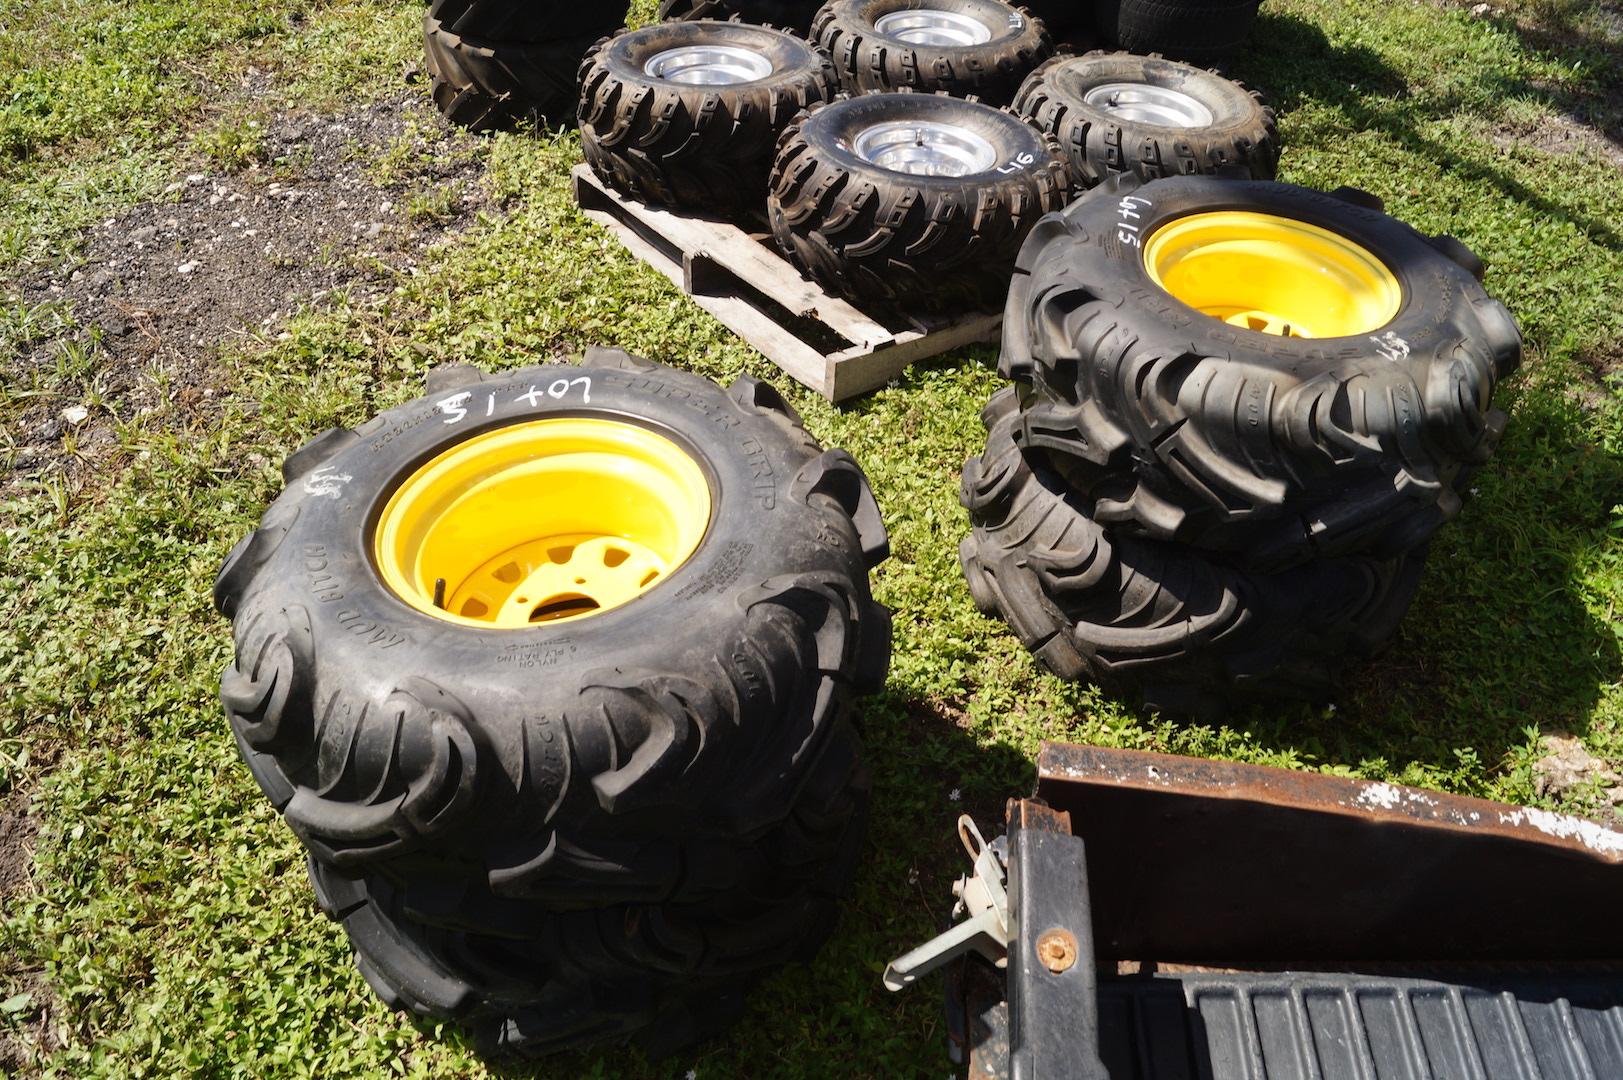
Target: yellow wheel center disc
{"type": "Point", "coordinates": [542, 522]}
{"type": "Point", "coordinates": [1274, 275]}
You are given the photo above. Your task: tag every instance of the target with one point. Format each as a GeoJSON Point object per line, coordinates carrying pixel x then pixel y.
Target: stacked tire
{"type": "Point", "coordinates": [496, 64]}
{"type": "Point", "coordinates": [967, 48]}
{"type": "Point", "coordinates": [1116, 113]}
{"type": "Point", "coordinates": [1240, 412]}
{"type": "Point", "coordinates": [551, 673]}
{"type": "Point", "coordinates": [688, 114]}
{"type": "Point", "coordinates": [963, 47]}
{"type": "Point", "coordinates": [793, 15]}
{"type": "Point", "coordinates": [1197, 31]}
{"type": "Point", "coordinates": [912, 201]}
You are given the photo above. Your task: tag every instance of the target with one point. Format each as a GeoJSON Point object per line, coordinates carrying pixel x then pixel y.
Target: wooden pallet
{"type": "Point", "coordinates": [818, 339]}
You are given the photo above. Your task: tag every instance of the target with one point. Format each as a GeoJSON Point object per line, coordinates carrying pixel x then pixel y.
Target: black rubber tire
{"type": "Point", "coordinates": [867, 59]}
{"type": "Point", "coordinates": [1069, 22]}
{"type": "Point", "coordinates": [489, 86]}
{"type": "Point", "coordinates": [707, 148]}
{"type": "Point", "coordinates": [529, 980]}
{"type": "Point", "coordinates": [636, 756]}
{"type": "Point", "coordinates": [793, 15]}
{"type": "Point", "coordinates": [1159, 623]}
{"type": "Point", "coordinates": [516, 21]}
{"type": "Point", "coordinates": [1202, 32]}
{"type": "Point", "coordinates": [1175, 425]}
{"type": "Point", "coordinates": [1242, 139]}
{"type": "Point", "coordinates": [893, 238]}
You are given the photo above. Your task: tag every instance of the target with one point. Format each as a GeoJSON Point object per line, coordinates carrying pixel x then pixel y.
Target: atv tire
{"type": "Point", "coordinates": [530, 980]}
{"type": "Point", "coordinates": [1202, 32]}
{"type": "Point", "coordinates": [861, 228]}
{"type": "Point", "coordinates": [793, 15]}
{"type": "Point", "coordinates": [1177, 425]}
{"type": "Point", "coordinates": [706, 147]}
{"type": "Point", "coordinates": [514, 22]}
{"type": "Point", "coordinates": [1071, 23]}
{"type": "Point", "coordinates": [1160, 623]}
{"type": "Point", "coordinates": [1120, 113]}
{"type": "Point", "coordinates": [948, 55]}
{"type": "Point", "coordinates": [486, 85]}
{"type": "Point", "coordinates": [637, 752]}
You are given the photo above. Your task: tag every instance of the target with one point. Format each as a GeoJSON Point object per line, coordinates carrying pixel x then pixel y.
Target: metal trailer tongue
{"type": "Point", "coordinates": [1155, 917]}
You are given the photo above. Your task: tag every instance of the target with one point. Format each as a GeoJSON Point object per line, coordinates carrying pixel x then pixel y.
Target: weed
{"type": "Point", "coordinates": [433, 206]}
{"type": "Point", "coordinates": [235, 144]}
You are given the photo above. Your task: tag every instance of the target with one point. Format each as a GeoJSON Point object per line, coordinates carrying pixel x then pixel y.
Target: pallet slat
{"type": "Point", "coordinates": [760, 296]}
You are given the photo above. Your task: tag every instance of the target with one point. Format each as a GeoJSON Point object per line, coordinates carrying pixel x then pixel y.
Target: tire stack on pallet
{"type": "Point", "coordinates": [899, 153]}
{"type": "Point", "coordinates": [551, 673]}
{"type": "Point", "coordinates": [1199, 31]}
{"type": "Point", "coordinates": [1240, 412]}
{"type": "Point", "coordinates": [879, 148]}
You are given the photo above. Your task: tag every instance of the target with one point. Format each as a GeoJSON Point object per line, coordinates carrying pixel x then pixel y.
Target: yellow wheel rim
{"type": "Point", "coordinates": [1273, 275]}
{"type": "Point", "coordinates": [542, 522]}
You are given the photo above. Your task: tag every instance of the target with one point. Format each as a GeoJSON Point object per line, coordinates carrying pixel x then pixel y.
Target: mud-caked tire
{"type": "Point", "coordinates": [1174, 424]}
{"type": "Point", "coordinates": [793, 15]}
{"type": "Point", "coordinates": [490, 85]}
{"type": "Point", "coordinates": [1161, 624]}
{"type": "Point", "coordinates": [706, 147]}
{"type": "Point", "coordinates": [606, 747]}
{"type": "Point", "coordinates": [1121, 113]}
{"type": "Point", "coordinates": [862, 228]}
{"type": "Point", "coordinates": [979, 48]}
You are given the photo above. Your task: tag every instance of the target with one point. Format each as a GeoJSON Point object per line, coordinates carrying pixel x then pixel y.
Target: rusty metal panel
{"type": "Point", "coordinates": [1218, 863]}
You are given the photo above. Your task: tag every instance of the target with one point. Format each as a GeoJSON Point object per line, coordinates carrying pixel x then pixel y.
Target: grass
{"type": "Point", "coordinates": [170, 930]}
{"type": "Point", "coordinates": [433, 205]}
{"type": "Point", "coordinates": [233, 144]}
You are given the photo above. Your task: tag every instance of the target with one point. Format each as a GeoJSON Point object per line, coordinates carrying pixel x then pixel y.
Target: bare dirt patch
{"type": "Point", "coordinates": [25, 1028]}
{"type": "Point", "coordinates": [1558, 133]}
{"type": "Point", "coordinates": [1605, 362]}
{"type": "Point", "coordinates": [336, 205]}
{"type": "Point", "coordinates": [17, 831]}
{"type": "Point", "coordinates": [1569, 770]}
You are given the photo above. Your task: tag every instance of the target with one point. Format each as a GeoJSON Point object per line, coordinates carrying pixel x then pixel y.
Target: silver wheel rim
{"type": "Point", "coordinates": [928, 27]}
{"type": "Point", "coordinates": [1145, 104]}
{"type": "Point", "coordinates": [708, 65]}
{"type": "Point", "coordinates": [925, 148]}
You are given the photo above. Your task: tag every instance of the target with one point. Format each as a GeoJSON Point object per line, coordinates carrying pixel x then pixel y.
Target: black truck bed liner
{"type": "Point", "coordinates": [1318, 1026]}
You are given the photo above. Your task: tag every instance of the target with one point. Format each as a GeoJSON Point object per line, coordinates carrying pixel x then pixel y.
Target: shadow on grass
{"type": "Point", "coordinates": [1500, 639]}
{"type": "Point", "coordinates": [1565, 31]}
{"type": "Point", "coordinates": [1301, 65]}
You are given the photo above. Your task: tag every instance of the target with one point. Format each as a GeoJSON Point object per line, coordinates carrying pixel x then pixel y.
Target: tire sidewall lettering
{"type": "Point", "coordinates": [318, 580]}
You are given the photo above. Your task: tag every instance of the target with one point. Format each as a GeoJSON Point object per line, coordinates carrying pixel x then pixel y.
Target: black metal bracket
{"type": "Point", "coordinates": [1052, 983]}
